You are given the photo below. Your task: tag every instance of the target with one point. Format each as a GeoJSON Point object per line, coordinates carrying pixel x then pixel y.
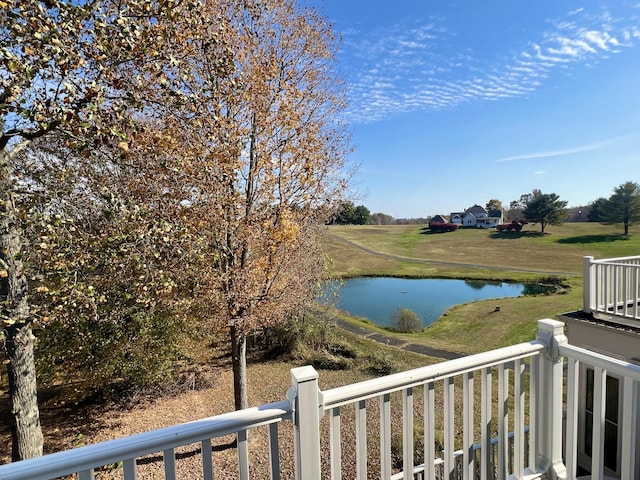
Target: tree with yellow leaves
{"type": "Point", "coordinates": [61, 73]}
{"type": "Point", "coordinates": [262, 151]}
{"type": "Point", "coordinates": [220, 119]}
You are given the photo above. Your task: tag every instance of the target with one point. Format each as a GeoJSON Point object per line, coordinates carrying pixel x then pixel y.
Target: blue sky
{"type": "Point", "coordinates": [452, 103]}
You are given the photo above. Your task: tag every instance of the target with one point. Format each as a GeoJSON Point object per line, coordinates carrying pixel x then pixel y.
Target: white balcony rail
{"type": "Point", "coordinates": [82, 461]}
{"type": "Point", "coordinates": [612, 287]}
{"type": "Point", "coordinates": [602, 366]}
{"type": "Point", "coordinates": [457, 414]}
{"type": "Point", "coordinates": [475, 409]}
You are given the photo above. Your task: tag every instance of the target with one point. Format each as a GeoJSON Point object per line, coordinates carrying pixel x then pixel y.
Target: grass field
{"type": "Point", "coordinates": [412, 251]}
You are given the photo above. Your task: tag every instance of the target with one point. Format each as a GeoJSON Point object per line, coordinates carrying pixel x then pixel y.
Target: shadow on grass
{"type": "Point", "coordinates": [427, 231]}
{"type": "Point", "coordinates": [594, 238]}
{"type": "Point", "coordinates": [515, 235]}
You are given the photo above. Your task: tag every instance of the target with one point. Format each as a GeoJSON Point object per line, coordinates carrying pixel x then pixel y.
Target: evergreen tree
{"type": "Point", "coordinates": [546, 209]}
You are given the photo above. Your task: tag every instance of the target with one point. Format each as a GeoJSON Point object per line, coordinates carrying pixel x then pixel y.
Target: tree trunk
{"type": "Point", "coordinates": [239, 362]}
{"type": "Point", "coordinates": [26, 434]}
{"type": "Point", "coordinates": [16, 319]}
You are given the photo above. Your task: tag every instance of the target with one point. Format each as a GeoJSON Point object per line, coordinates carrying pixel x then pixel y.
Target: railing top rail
{"type": "Point", "coordinates": [96, 455]}
{"type": "Point", "coordinates": [612, 365]}
{"type": "Point", "coordinates": [430, 373]}
{"type": "Point", "coordinates": [619, 260]}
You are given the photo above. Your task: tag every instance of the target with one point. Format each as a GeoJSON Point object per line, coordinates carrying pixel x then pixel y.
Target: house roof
{"type": "Point", "coordinates": [495, 213]}
{"type": "Point", "coordinates": [439, 218]}
{"type": "Point", "coordinates": [476, 209]}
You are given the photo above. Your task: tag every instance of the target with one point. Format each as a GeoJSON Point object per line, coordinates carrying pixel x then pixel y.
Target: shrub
{"type": "Point", "coordinates": [309, 337]}
{"type": "Point", "coordinates": [406, 321]}
{"type": "Point", "coordinates": [138, 349]}
{"type": "Point", "coordinates": [381, 364]}
{"type": "Point", "coordinates": [292, 336]}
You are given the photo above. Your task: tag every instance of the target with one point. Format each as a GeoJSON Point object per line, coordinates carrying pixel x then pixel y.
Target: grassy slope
{"type": "Point", "coordinates": [475, 327]}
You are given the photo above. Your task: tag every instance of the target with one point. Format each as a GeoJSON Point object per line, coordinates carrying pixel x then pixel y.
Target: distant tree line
{"type": "Point", "coordinates": [350, 214]}
{"type": "Point", "coordinates": [622, 207]}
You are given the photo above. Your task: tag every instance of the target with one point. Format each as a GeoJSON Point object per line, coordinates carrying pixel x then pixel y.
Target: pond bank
{"type": "Point", "coordinates": [396, 342]}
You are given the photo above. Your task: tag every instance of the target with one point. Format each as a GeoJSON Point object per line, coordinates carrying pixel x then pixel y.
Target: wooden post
{"type": "Point", "coordinates": [551, 332]}
{"type": "Point", "coordinates": [588, 285]}
{"type": "Point", "coordinates": [305, 395]}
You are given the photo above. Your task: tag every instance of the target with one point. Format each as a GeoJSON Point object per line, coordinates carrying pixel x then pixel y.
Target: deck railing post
{"type": "Point", "coordinates": [549, 428]}
{"type": "Point", "coordinates": [588, 285]}
{"type": "Point", "coordinates": [306, 404]}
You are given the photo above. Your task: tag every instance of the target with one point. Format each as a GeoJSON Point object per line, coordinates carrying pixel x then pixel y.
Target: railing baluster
{"type": "Point", "coordinates": [429, 431]}
{"type": "Point", "coordinates": [243, 455]}
{"type": "Point", "coordinates": [636, 291]}
{"type": "Point", "coordinates": [274, 452]}
{"type": "Point", "coordinates": [617, 276]}
{"type": "Point", "coordinates": [534, 378]}
{"type": "Point", "coordinates": [169, 458]}
{"type": "Point", "coordinates": [596, 286]}
{"type": "Point", "coordinates": [407, 433]}
{"type": "Point", "coordinates": [486, 472]}
{"type": "Point", "coordinates": [335, 436]}
{"type": "Point", "coordinates": [207, 459]}
{"type": "Point", "coordinates": [571, 445]}
{"type": "Point", "coordinates": [449, 423]}
{"type": "Point", "coordinates": [385, 436]}
{"type": "Point", "coordinates": [503, 420]}
{"type": "Point", "coordinates": [611, 283]}
{"type": "Point", "coordinates": [129, 469]}
{"type": "Point", "coordinates": [86, 475]}
{"type": "Point", "coordinates": [629, 427]}
{"type": "Point", "coordinates": [599, 409]}
{"type": "Point", "coordinates": [361, 440]}
{"type": "Point", "coordinates": [628, 270]}
{"type": "Point", "coordinates": [518, 419]}
{"type": "Point", "coordinates": [468, 456]}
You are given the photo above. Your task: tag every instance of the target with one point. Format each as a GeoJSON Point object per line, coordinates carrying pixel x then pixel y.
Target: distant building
{"type": "Point", "coordinates": [439, 219]}
{"type": "Point", "coordinates": [478, 217]}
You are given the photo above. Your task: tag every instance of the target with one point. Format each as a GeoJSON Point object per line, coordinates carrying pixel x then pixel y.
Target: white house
{"type": "Point", "coordinates": [477, 216]}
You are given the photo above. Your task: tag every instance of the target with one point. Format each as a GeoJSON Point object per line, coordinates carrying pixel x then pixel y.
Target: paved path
{"type": "Point", "coordinates": [396, 342]}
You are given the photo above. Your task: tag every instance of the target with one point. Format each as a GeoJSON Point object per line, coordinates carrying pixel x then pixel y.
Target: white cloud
{"type": "Point", "coordinates": [562, 152]}
{"type": "Point", "coordinates": [600, 39]}
{"type": "Point", "coordinates": [407, 67]}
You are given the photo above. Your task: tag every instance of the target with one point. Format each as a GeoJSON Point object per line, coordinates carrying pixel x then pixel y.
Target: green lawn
{"type": "Point", "coordinates": [409, 250]}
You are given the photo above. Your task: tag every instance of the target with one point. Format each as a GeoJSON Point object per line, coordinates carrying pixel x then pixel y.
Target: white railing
{"type": "Point", "coordinates": [602, 366]}
{"type": "Point", "coordinates": [431, 384]}
{"type": "Point", "coordinates": [475, 409]}
{"type": "Point", "coordinates": [84, 460]}
{"type": "Point", "coordinates": [612, 287]}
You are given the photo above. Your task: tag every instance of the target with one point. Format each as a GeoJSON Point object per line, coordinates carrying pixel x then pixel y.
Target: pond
{"type": "Point", "coordinates": [378, 298]}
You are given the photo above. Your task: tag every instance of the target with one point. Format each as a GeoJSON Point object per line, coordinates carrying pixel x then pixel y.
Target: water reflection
{"type": "Point", "coordinates": [378, 298]}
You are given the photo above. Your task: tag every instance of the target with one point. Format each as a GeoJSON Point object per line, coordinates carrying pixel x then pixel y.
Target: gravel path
{"type": "Point", "coordinates": [395, 342]}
